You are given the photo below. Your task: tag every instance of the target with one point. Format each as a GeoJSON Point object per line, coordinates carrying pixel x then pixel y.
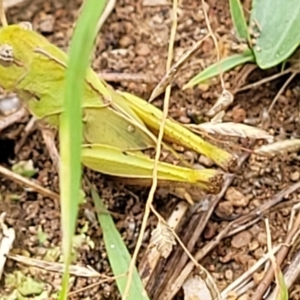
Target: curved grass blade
{"type": "Point", "coordinates": [238, 18]}
{"type": "Point", "coordinates": [224, 65]}
{"type": "Point", "coordinates": [118, 255]}
{"type": "Point", "coordinates": [70, 132]}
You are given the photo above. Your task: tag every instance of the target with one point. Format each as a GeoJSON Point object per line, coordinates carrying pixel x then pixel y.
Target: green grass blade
{"type": "Point", "coordinates": [224, 65]}
{"type": "Point", "coordinates": [71, 126]}
{"type": "Point", "coordinates": [238, 19]}
{"type": "Point", "coordinates": [118, 255]}
{"type": "Point", "coordinates": [283, 293]}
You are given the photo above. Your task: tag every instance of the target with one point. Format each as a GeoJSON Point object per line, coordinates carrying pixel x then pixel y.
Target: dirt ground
{"type": "Point", "coordinates": [134, 41]}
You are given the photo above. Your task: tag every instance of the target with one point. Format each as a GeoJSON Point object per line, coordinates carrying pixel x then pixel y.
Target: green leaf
{"type": "Point", "coordinates": [70, 130]}
{"type": "Point", "coordinates": [224, 65]}
{"type": "Point", "coordinates": [238, 18]}
{"type": "Point", "coordinates": [283, 293]}
{"type": "Point", "coordinates": [25, 285]}
{"type": "Point", "coordinates": [278, 24]}
{"type": "Point", "coordinates": [118, 255]}
{"type": "Point", "coordinates": [24, 168]}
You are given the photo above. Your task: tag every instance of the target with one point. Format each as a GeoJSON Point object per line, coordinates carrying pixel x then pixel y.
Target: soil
{"type": "Point", "coordinates": [134, 41]}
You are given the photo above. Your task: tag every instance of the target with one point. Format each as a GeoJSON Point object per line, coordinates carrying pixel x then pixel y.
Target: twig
{"type": "Point", "coordinates": [28, 183]}
{"type": "Point", "coordinates": [110, 5]}
{"type": "Point", "coordinates": [28, 128]}
{"type": "Point", "coordinates": [75, 270]}
{"type": "Point", "coordinates": [170, 75]}
{"type": "Point", "coordinates": [6, 241]}
{"type": "Point", "coordinates": [49, 139]}
{"type": "Point", "coordinates": [262, 287]}
{"type": "Point", "coordinates": [290, 275]}
{"type": "Point", "coordinates": [242, 227]}
{"type": "Point", "coordinates": [281, 90]}
{"type": "Point", "coordinates": [152, 255]}
{"type": "Point", "coordinates": [12, 118]}
{"type": "Point", "coordinates": [243, 289]}
{"type": "Point", "coordinates": [240, 280]}
{"type": "Point", "coordinates": [157, 156]}
{"type": "Point", "coordinates": [11, 3]}
{"type": "Point", "coordinates": [174, 286]}
{"type": "Point", "coordinates": [265, 80]}
{"type": "Point", "coordinates": [241, 76]}
{"type": "Point", "coordinates": [180, 259]}
{"type": "Point", "coordinates": [121, 77]}
{"type": "Point", "coordinates": [211, 285]}
{"type": "Point", "coordinates": [2, 14]}
{"type": "Point", "coordinates": [215, 43]}
{"type": "Point", "coordinates": [90, 286]}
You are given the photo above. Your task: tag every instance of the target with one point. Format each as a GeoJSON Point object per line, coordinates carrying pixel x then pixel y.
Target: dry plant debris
{"type": "Point", "coordinates": [226, 234]}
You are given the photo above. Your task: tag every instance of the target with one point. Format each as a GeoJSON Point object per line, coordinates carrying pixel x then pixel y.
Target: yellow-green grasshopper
{"type": "Point", "coordinates": [116, 126]}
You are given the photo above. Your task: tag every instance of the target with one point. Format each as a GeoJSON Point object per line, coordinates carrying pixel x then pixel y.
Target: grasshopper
{"type": "Point", "coordinates": [117, 127]}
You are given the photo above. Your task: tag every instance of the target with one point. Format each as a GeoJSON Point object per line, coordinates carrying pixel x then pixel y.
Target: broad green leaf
{"type": "Point", "coordinates": [238, 19]}
{"type": "Point", "coordinates": [118, 255]}
{"type": "Point", "coordinates": [278, 24]}
{"type": "Point", "coordinates": [224, 65]}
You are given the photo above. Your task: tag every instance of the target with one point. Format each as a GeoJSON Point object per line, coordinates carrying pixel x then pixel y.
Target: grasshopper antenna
{"type": "Point", "coordinates": [2, 14]}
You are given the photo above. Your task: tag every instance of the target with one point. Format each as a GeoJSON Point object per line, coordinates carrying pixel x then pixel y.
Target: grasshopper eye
{"type": "Point", "coordinates": [6, 54]}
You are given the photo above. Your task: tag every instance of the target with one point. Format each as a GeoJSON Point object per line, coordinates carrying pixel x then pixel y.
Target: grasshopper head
{"type": "Point", "coordinates": [18, 56]}
{"type": "Point", "coordinates": [15, 47]}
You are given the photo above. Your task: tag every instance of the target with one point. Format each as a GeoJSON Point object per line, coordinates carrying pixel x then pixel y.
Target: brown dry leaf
{"type": "Point", "coordinates": [279, 147]}
{"type": "Point", "coordinates": [234, 129]}
{"type": "Point", "coordinates": [195, 288]}
{"type": "Point", "coordinates": [163, 239]}
{"type": "Point", "coordinates": [76, 270]}
{"type": "Point", "coordinates": [225, 99]}
{"type": "Point", "coordinates": [218, 118]}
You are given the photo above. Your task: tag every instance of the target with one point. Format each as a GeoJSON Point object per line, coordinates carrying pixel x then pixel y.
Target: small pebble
{"type": "Point", "coordinates": [238, 115]}
{"type": "Point", "coordinates": [210, 231]}
{"type": "Point", "coordinates": [262, 238]}
{"type": "Point", "coordinates": [255, 229]}
{"type": "Point", "coordinates": [184, 120]}
{"type": "Point", "coordinates": [258, 253]}
{"type": "Point", "coordinates": [257, 277]}
{"type": "Point", "coordinates": [236, 198]}
{"type": "Point", "coordinates": [242, 239]}
{"type": "Point", "coordinates": [126, 41]}
{"type": "Point", "coordinates": [244, 297]}
{"type": "Point", "coordinates": [47, 24]}
{"type": "Point", "coordinates": [251, 262]}
{"type": "Point", "coordinates": [295, 176]}
{"type": "Point", "coordinates": [242, 258]}
{"type": "Point", "coordinates": [225, 208]}
{"type": "Point", "coordinates": [205, 161]}
{"type": "Point", "coordinates": [229, 275]}
{"type": "Point", "coordinates": [253, 245]}
{"type": "Point", "coordinates": [142, 49]}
